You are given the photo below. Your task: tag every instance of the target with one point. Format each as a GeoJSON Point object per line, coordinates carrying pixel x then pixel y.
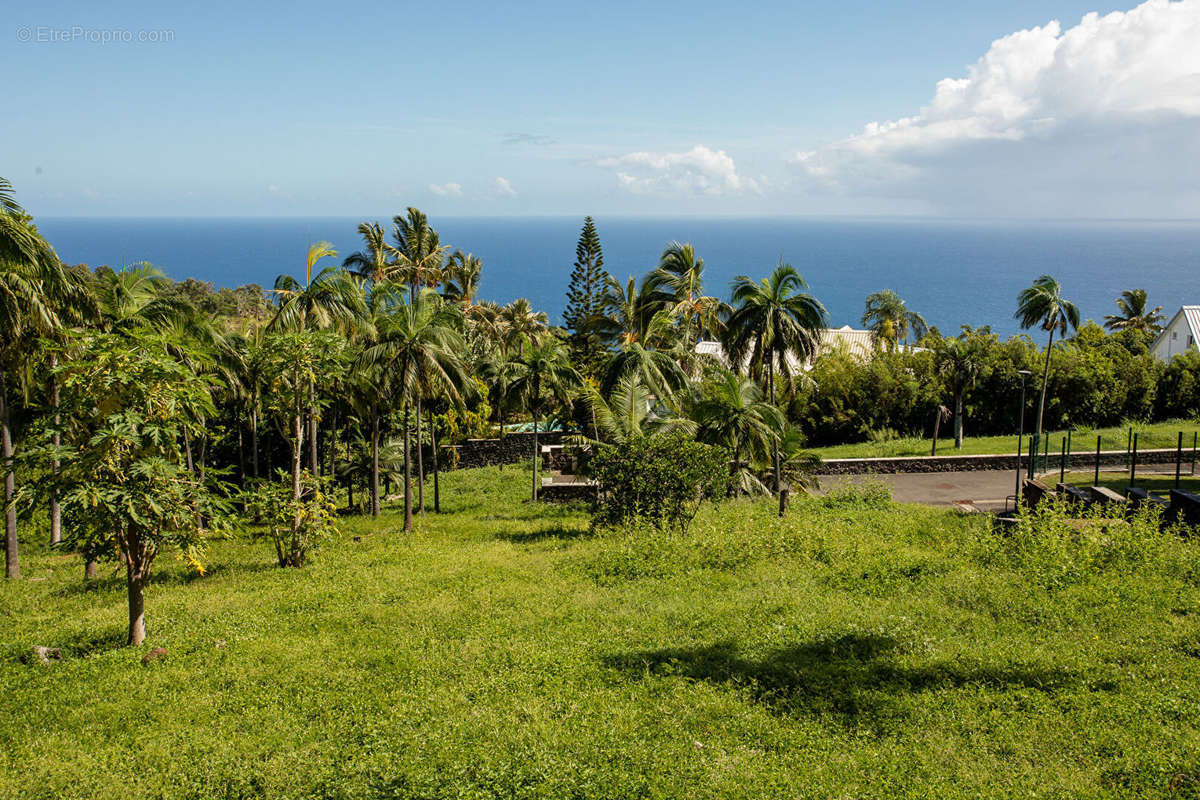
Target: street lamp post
{"type": "Point", "coordinates": [1024, 373]}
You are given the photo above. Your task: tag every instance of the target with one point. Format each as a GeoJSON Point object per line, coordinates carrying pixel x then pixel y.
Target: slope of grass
{"type": "Point", "coordinates": [851, 650]}
{"type": "Point", "coordinates": [1150, 436]}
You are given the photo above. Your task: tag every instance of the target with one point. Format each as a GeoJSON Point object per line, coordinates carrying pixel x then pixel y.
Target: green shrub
{"type": "Point", "coordinates": [868, 494]}
{"type": "Point", "coordinates": [296, 527]}
{"type": "Point", "coordinates": [660, 480]}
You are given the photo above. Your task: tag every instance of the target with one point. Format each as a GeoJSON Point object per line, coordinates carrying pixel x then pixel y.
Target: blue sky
{"type": "Point", "coordinates": [556, 108]}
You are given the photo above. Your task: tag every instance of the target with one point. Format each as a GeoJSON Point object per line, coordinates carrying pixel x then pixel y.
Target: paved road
{"type": "Point", "coordinates": [986, 489]}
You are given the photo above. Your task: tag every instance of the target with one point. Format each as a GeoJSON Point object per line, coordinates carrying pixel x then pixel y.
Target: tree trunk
{"type": "Point", "coordinates": [331, 469]}
{"type": "Point", "coordinates": [408, 523]}
{"type": "Point", "coordinates": [433, 452]}
{"type": "Point", "coordinates": [375, 464]}
{"type": "Point", "coordinates": [1045, 378]}
{"type": "Point", "coordinates": [187, 451]}
{"type": "Point", "coordinates": [314, 461]}
{"type": "Point", "coordinates": [535, 459]}
{"type": "Point", "coordinates": [136, 582]}
{"type": "Point", "coordinates": [958, 420]}
{"type": "Point", "coordinates": [12, 566]}
{"type": "Point", "coordinates": [90, 569]}
{"type": "Point", "coordinates": [775, 442]}
{"type": "Point", "coordinates": [420, 461]}
{"type": "Point", "coordinates": [254, 440]}
{"type": "Point", "coordinates": [55, 508]}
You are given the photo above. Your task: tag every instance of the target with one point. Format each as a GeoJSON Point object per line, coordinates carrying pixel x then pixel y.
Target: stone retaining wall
{"type": "Point", "coordinates": [1077, 460]}
{"type": "Point", "coordinates": [513, 448]}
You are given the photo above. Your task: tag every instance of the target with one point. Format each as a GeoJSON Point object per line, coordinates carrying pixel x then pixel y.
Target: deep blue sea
{"type": "Point", "coordinates": [953, 272]}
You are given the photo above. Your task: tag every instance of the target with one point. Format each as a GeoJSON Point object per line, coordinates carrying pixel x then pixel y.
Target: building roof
{"type": "Point", "coordinates": [858, 342]}
{"type": "Point", "coordinates": [1191, 315]}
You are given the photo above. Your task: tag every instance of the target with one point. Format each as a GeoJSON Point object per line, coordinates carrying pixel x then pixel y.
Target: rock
{"type": "Point", "coordinates": [154, 655]}
{"type": "Point", "coordinates": [45, 655]}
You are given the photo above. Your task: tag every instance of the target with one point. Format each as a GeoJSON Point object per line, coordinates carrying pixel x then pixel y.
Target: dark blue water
{"type": "Point", "coordinates": [952, 272]}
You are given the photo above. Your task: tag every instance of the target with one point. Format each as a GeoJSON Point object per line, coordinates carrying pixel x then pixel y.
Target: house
{"type": "Point", "coordinates": [858, 343]}
{"type": "Point", "coordinates": [1182, 332]}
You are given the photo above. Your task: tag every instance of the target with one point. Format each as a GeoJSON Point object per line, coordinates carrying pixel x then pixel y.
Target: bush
{"type": "Point", "coordinates": [868, 494]}
{"type": "Point", "coordinates": [297, 528]}
{"type": "Point", "coordinates": [660, 480]}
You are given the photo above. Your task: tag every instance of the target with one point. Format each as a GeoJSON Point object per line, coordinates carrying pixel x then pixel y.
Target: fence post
{"type": "Point", "coordinates": [1097, 482]}
{"type": "Point", "coordinates": [1133, 462]}
{"type": "Point", "coordinates": [1046, 455]}
{"type": "Point", "coordinates": [1017, 493]}
{"type": "Point", "coordinates": [1062, 466]}
{"type": "Point", "coordinates": [1033, 454]}
{"type": "Point", "coordinates": [1194, 435]}
{"type": "Point", "coordinates": [1178, 458]}
{"type": "Point", "coordinates": [1128, 445]}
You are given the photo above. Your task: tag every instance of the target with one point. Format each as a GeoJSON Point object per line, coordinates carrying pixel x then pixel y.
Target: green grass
{"type": "Point", "coordinates": [1150, 436]}
{"type": "Point", "coordinates": [855, 649]}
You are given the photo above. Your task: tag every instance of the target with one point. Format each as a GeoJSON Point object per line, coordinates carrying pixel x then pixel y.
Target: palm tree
{"type": "Point", "coordinates": [417, 251]}
{"type": "Point", "coordinates": [328, 299]}
{"type": "Point", "coordinates": [461, 278]}
{"type": "Point", "coordinates": [1043, 304]}
{"type": "Point", "coordinates": [518, 321]}
{"type": "Point", "coordinates": [771, 322]}
{"type": "Point", "coordinates": [542, 375]}
{"type": "Point", "coordinates": [889, 319]}
{"type": "Point", "coordinates": [731, 413]}
{"type": "Point", "coordinates": [1134, 316]}
{"type": "Point", "coordinates": [131, 298]}
{"type": "Point", "coordinates": [959, 361]}
{"type": "Point", "coordinates": [36, 295]}
{"type": "Point", "coordinates": [416, 351]}
{"type": "Point", "coordinates": [629, 412]}
{"type": "Point", "coordinates": [630, 309]}
{"type": "Point", "coordinates": [681, 274]}
{"type": "Point", "coordinates": [374, 262]}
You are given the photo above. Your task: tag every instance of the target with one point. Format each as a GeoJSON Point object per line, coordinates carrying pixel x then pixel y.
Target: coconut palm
{"type": "Point", "coordinates": [773, 321]}
{"type": "Point", "coordinates": [657, 368]}
{"type": "Point", "coordinates": [1042, 304]}
{"type": "Point", "coordinates": [888, 317]}
{"type": "Point", "coordinates": [518, 321]}
{"type": "Point", "coordinates": [374, 262]}
{"type": "Point", "coordinates": [460, 280]}
{"type": "Point", "coordinates": [681, 275]}
{"type": "Point", "coordinates": [732, 413]}
{"type": "Point", "coordinates": [1134, 315]}
{"type": "Point", "coordinates": [630, 310]}
{"type": "Point", "coordinates": [417, 251]}
{"type": "Point", "coordinates": [542, 376]}
{"type": "Point", "coordinates": [959, 362]}
{"type": "Point", "coordinates": [416, 350]}
{"type": "Point", "coordinates": [630, 411]}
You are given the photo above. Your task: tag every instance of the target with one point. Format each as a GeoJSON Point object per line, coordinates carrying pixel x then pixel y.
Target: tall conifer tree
{"type": "Point", "coordinates": [585, 299]}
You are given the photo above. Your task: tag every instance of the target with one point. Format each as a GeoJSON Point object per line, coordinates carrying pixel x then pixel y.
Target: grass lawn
{"type": "Point", "coordinates": [855, 649]}
{"type": "Point", "coordinates": [1159, 434]}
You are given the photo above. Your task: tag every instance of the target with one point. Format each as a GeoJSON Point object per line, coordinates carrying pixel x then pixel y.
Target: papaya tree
{"type": "Point", "coordinates": [126, 405]}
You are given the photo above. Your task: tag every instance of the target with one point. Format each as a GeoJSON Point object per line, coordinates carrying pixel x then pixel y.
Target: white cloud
{"type": "Point", "coordinates": [503, 187]}
{"type": "Point", "coordinates": [446, 189]}
{"type": "Point", "coordinates": [696, 171]}
{"type": "Point", "coordinates": [1096, 116]}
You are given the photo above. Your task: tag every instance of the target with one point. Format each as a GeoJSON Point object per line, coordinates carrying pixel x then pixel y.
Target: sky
{"type": "Point", "coordinates": [1046, 108]}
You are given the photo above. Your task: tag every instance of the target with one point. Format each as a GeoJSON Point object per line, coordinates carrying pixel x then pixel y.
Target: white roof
{"type": "Point", "coordinates": [1191, 315]}
{"type": "Point", "coordinates": [858, 342]}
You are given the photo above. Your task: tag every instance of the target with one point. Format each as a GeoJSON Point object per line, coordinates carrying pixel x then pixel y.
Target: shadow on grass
{"type": "Point", "coordinates": [853, 677]}
{"type": "Point", "coordinates": [559, 533]}
{"type": "Point", "coordinates": [112, 577]}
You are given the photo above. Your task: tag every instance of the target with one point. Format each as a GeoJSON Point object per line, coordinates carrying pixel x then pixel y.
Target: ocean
{"type": "Point", "coordinates": [952, 272]}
